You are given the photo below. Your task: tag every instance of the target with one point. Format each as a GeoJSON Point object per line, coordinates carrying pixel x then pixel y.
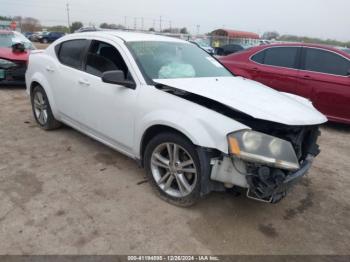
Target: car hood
{"type": "Point", "coordinates": [7, 53]}
{"type": "Point", "coordinates": [251, 98]}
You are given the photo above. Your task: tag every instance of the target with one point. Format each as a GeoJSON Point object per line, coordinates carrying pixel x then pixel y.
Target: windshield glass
{"type": "Point", "coordinates": [165, 60]}
{"type": "Point", "coordinates": [8, 39]}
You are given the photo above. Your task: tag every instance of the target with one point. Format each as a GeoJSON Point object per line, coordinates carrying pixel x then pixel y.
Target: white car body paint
{"type": "Point", "coordinates": [118, 116]}
{"type": "Point", "coordinates": [252, 98]}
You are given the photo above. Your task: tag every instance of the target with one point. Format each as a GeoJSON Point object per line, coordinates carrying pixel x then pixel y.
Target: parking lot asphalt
{"type": "Point", "coordinates": [63, 193]}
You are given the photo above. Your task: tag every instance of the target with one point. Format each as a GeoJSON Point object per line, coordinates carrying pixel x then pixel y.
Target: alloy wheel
{"type": "Point", "coordinates": [174, 170]}
{"type": "Point", "coordinates": [40, 108]}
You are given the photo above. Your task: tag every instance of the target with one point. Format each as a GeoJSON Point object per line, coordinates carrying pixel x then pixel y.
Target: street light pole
{"type": "Point", "coordinates": [160, 24]}
{"type": "Point", "coordinates": [68, 17]}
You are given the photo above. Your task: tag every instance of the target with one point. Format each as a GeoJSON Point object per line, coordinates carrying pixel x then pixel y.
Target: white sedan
{"type": "Point", "coordinates": [194, 126]}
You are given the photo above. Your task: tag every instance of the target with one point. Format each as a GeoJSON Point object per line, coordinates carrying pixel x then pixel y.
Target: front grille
{"type": "Point", "coordinates": [17, 72]}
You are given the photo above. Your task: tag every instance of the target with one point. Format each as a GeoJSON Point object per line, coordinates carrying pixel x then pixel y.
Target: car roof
{"type": "Point", "coordinates": [323, 46]}
{"type": "Point", "coordinates": [300, 44]}
{"type": "Point", "coordinates": [131, 36]}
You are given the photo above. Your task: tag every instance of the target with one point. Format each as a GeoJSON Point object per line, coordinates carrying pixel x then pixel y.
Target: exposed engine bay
{"type": "Point", "coordinates": [263, 183]}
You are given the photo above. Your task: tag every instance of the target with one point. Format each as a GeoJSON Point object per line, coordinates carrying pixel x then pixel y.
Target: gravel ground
{"type": "Point", "coordinates": [63, 193]}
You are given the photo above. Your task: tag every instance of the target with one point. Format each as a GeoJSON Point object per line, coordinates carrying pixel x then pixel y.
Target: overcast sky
{"type": "Point", "coordinates": [316, 18]}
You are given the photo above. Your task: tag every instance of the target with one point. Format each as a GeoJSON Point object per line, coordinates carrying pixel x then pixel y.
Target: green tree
{"type": "Point", "coordinates": [104, 25]}
{"type": "Point", "coordinates": [5, 18]}
{"type": "Point", "coordinates": [75, 26]}
{"type": "Point", "coordinates": [58, 28]}
{"type": "Point", "coordinates": [30, 24]}
{"type": "Point", "coordinates": [305, 39]}
{"type": "Point", "coordinates": [112, 26]}
{"type": "Point", "coordinates": [270, 35]}
{"type": "Point", "coordinates": [184, 31]}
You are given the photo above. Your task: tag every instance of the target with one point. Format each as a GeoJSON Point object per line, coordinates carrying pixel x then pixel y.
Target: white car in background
{"type": "Point", "coordinates": [194, 126]}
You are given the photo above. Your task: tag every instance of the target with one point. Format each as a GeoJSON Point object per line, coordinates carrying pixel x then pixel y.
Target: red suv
{"type": "Point", "coordinates": [317, 72]}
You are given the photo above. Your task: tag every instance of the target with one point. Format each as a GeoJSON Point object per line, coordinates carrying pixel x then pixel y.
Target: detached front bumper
{"type": "Point", "coordinates": [263, 183]}
{"type": "Point", "coordinates": [273, 190]}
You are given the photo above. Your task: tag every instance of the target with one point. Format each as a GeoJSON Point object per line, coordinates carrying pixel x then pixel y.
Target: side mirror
{"type": "Point", "coordinates": [117, 77]}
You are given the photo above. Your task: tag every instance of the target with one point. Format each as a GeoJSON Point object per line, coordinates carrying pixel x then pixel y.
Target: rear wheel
{"type": "Point", "coordinates": [42, 110]}
{"type": "Point", "coordinates": [173, 168]}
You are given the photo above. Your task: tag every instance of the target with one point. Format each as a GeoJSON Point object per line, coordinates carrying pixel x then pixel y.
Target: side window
{"type": "Point", "coordinates": [259, 57]}
{"type": "Point", "coordinates": [71, 53]}
{"type": "Point", "coordinates": [104, 57]}
{"type": "Point", "coordinates": [325, 62]}
{"type": "Point", "coordinates": [281, 56]}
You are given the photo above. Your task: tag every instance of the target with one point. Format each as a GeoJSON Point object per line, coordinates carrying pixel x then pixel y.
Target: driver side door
{"type": "Point", "coordinates": [108, 109]}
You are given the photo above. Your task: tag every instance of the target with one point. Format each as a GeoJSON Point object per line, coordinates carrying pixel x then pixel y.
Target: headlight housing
{"type": "Point", "coordinates": [257, 147]}
{"type": "Point", "coordinates": [6, 63]}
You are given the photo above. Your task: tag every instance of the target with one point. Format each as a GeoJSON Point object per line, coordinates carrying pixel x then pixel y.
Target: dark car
{"type": "Point", "coordinates": [36, 35]}
{"type": "Point", "coordinates": [317, 72]}
{"type": "Point", "coordinates": [50, 37]}
{"type": "Point", "coordinates": [228, 49]}
{"type": "Point", "coordinates": [203, 45]}
{"type": "Point", "coordinates": [14, 53]}
{"type": "Point", "coordinates": [28, 34]}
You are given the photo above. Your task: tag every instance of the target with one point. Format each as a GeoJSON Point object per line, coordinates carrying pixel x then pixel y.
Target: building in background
{"type": "Point", "coordinates": [7, 24]}
{"type": "Point", "coordinates": [221, 37]}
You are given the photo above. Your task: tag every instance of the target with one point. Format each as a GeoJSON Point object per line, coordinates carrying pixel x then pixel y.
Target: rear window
{"type": "Point", "coordinates": [71, 53]}
{"type": "Point", "coordinates": [323, 61]}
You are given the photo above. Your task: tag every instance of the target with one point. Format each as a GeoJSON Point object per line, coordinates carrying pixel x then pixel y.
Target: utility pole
{"type": "Point", "coordinates": [142, 23]}
{"type": "Point", "coordinates": [125, 24]}
{"type": "Point", "coordinates": [135, 23]}
{"type": "Point", "coordinates": [160, 24]}
{"type": "Point", "coordinates": [68, 18]}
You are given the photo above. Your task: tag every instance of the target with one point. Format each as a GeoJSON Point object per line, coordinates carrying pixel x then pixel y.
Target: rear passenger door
{"type": "Point", "coordinates": [66, 77]}
{"type": "Point", "coordinates": [277, 67]}
{"type": "Point", "coordinates": [325, 72]}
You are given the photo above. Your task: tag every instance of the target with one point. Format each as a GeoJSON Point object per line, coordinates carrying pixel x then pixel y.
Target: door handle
{"type": "Point", "coordinates": [255, 69]}
{"type": "Point", "coordinates": [83, 82]}
{"type": "Point", "coordinates": [49, 69]}
{"type": "Point", "coordinates": [307, 77]}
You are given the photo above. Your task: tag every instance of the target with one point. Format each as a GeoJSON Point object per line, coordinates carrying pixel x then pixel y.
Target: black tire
{"type": "Point", "coordinates": [191, 149]}
{"type": "Point", "coordinates": [51, 123]}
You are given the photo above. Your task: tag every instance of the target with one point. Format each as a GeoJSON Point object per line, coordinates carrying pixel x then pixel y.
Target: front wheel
{"type": "Point", "coordinates": [173, 168]}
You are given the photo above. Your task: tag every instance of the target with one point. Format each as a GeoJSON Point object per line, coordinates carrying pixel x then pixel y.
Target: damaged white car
{"type": "Point", "coordinates": [194, 126]}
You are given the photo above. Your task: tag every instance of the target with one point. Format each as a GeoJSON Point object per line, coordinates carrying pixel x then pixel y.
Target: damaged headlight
{"type": "Point", "coordinates": [6, 63]}
{"type": "Point", "coordinates": [257, 147]}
